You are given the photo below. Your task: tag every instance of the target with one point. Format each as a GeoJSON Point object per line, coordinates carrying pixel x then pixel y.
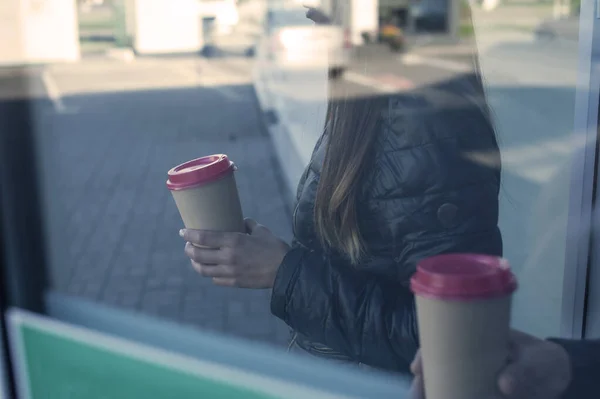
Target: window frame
{"type": "Point", "coordinates": [580, 262]}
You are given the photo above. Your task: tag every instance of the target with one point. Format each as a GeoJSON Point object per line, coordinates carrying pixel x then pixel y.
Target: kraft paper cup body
{"type": "Point", "coordinates": [463, 309]}
{"type": "Point", "coordinates": [206, 194]}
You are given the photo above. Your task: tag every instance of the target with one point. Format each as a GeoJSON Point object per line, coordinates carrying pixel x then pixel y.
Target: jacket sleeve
{"type": "Point", "coordinates": [585, 366]}
{"type": "Point", "coordinates": [356, 313]}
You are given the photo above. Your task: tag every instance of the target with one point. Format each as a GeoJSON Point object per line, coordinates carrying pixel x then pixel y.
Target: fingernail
{"type": "Point", "coordinates": [181, 233]}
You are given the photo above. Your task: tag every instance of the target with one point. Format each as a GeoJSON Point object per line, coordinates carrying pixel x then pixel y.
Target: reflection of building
{"type": "Point", "coordinates": [359, 16]}
{"type": "Point", "coordinates": [156, 26]}
{"type": "Point", "coordinates": [489, 5]}
{"type": "Point", "coordinates": [220, 15]}
{"type": "Point", "coordinates": [366, 16]}
{"type": "Point", "coordinates": [395, 9]}
{"type": "Point", "coordinates": [38, 31]}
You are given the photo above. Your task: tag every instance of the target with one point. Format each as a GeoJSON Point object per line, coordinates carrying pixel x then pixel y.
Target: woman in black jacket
{"type": "Point", "coordinates": [392, 180]}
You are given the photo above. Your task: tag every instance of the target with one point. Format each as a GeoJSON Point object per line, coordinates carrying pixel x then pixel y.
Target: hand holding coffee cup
{"type": "Point", "coordinates": [242, 260]}
{"type": "Point", "coordinates": [536, 369]}
{"type": "Point", "coordinates": [463, 310]}
{"type": "Point", "coordinates": [222, 245]}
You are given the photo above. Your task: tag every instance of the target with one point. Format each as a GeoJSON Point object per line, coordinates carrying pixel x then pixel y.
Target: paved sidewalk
{"type": "Point", "coordinates": [114, 224]}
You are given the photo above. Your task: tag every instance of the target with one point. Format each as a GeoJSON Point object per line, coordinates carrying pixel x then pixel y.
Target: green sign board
{"type": "Point", "coordinates": [57, 360]}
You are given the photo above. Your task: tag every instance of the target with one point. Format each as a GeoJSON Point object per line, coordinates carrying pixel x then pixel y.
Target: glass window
{"type": "Point", "coordinates": [529, 59]}
{"type": "Point", "coordinates": [527, 55]}
{"type": "Point", "coordinates": [403, 131]}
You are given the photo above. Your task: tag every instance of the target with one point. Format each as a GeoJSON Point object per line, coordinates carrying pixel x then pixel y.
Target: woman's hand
{"type": "Point", "coordinates": [236, 259]}
{"type": "Point", "coordinates": [537, 369]}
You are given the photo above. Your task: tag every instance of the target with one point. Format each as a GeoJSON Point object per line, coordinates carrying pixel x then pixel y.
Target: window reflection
{"type": "Point", "coordinates": [487, 87]}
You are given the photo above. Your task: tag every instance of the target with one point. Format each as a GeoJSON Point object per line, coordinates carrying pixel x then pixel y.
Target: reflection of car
{"type": "Point", "coordinates": [393, 36]}
{"type": "Point", "coordinates": [291, 40]}
{"type": "Point", "coordinates": [430, 15]}
{"type": "Point", "coordinates": [220, 15]}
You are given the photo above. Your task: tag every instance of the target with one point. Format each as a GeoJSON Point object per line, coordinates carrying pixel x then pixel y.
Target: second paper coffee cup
{"type": "Point", "coordinates": [206, 194]}
{"type": "Point", "coordinates": [463, 309]}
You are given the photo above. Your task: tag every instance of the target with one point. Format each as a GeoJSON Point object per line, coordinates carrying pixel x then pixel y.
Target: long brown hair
{"type": "Point", "coordinates": [352, 126]}
{"type": "Point", "coordinates": [352, 132]}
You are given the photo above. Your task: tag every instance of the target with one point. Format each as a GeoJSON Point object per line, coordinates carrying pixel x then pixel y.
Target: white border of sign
{"type": "Point", "coordinates": [270, 386]}
{"type": "Point", "coordinates": [3, 375]}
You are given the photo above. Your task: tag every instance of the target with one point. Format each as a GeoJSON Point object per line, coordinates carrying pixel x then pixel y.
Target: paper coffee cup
{"type": "Point", "coordinates": [463, 309]}
{"type": "Point", "coordinates": [206, 194]}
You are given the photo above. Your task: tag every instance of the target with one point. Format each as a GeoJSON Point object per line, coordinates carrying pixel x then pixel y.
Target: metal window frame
{"type": "Point", "coordinates": [23, 257]}
{"type": "Point", "coordinates": [592, 309]}
{"type": "Point", "coordinates": [574, 315]}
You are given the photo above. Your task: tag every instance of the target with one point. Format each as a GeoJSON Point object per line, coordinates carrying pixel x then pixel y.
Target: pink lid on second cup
{"type": "Point", "coordinates": [199, 171]}
{"type": "Point", "coordinates": [463, 277]}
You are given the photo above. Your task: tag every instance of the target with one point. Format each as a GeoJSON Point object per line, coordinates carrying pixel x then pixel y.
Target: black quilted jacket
{"type": "Point", "coordinates": [432, 189]}
{"type": "Point", "coordinates": [585, 368]}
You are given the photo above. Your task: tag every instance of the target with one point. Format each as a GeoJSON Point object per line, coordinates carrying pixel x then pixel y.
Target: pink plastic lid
{"type": "Point", "coordinates": [463, 277]}
{"type": "Point", "coordinates": [199, 171]}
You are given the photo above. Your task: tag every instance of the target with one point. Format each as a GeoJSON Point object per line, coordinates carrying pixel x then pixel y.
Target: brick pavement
{"type": "Point", "coordinates": [113, 224]}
